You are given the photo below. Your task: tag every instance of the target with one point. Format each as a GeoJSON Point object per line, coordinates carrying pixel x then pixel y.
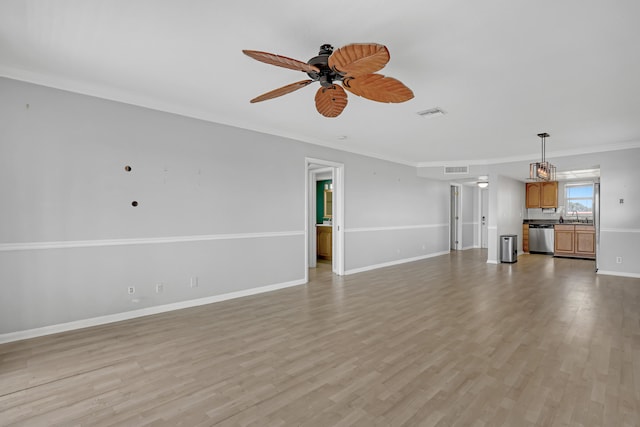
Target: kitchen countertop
{"type": "Point", "coordinates": [540, 221]}
{"type": "Point", "coordinates": [554, 221]}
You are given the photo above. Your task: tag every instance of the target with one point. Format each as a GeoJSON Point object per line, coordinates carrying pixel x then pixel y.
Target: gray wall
{"type": "Point", "coordinates": [506, 212]}
{"type": "Point", "coordinates": [218, 203]}
{"type": "Point", "coordinates": [391, 209]}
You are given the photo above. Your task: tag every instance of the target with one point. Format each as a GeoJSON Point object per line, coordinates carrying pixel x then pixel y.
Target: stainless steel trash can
{"type": "Point", "coordinates": [509, 248]}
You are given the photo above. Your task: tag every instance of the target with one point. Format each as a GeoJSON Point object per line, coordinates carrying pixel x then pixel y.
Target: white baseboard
{"type": "Point", "coordinates": [118, 317]}
{"type": "Point", "coordinates": [618, 273]}
{"type": "Point", "coordinates": [391, 263]}
{"type": "Point", "coordinates": [492, 261]}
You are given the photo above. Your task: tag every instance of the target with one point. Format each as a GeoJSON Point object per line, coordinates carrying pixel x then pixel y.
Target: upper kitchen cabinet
{"type": "Point", "coordinates": [533, 194]}
{"type": "Point", "coordinates": [549, 194]}
{"type": "Point", "coordinates": [543, 194]}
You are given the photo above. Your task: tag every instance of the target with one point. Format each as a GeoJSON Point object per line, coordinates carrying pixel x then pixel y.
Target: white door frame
{"type": "Point", "coordinates": [337, 170]}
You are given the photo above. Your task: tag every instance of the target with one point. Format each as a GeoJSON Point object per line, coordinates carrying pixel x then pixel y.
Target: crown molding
{"type": "Point", "coordinates": [602, 148]}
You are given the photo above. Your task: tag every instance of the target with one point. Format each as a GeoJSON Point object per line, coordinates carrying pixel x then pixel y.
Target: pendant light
{"type": "Point", "coordinates": [543, 170]}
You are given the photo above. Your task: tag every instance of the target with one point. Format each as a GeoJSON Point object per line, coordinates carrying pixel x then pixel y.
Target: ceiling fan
{"type": "Point", "coordinates": [354, 65]}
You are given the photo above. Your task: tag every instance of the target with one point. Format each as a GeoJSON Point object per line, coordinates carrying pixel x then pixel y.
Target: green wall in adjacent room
{"type": "Point", "coordinates": [320, 199]}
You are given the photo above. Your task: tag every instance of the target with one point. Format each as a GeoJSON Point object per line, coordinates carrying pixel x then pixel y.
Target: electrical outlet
{"type": "Point", "coordinates": [618, 260]}
{"type": "Point", "coordinates": [159, 288]}
{"type": "Point", "coordinates": [194, 282]}
{"type": "Point", "coordinates": [131, 290]}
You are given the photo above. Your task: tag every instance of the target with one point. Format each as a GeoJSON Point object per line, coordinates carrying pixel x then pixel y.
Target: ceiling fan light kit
{"type": "Point", "coordinates": [354, 65]}
{"type": "Point", "coordinates": [542, 170]}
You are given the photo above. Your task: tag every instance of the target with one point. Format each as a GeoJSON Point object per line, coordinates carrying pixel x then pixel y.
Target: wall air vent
{"type": "Point", "coordinates": [456, 170]}
{"type": "Point", "coordinates": [432, 112]}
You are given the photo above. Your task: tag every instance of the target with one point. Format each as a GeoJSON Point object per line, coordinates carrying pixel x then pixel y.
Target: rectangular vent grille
{"type": "Point", "coordinates": [456, 170]}
{"type": "Point", "coordinates": [433, 112]}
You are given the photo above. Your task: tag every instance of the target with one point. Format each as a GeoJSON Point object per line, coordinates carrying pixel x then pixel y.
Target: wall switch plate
{"type": "Point", "coordinates": [159, 288]}
{"type": "Point", "coordinates": [618, 260]}
{"type": "Point", "coordinates": [194, 282]}
{"type": "Point", "coordinates": [131, 290]}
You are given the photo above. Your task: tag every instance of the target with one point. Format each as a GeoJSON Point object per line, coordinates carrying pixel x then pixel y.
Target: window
{"type": "Point", "coordinates": [579, 200]}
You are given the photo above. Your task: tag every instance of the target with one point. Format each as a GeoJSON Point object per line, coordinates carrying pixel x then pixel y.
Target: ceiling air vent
{"type": "Point", "coordinates": [456, 170]}
{"type": "Point", "coordinates": [432, 112]}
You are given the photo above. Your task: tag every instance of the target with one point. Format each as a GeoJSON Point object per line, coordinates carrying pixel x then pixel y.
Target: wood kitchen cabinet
{"type": "Point", "coordinates": [549, 194]}
{"type": "Point", "coordinates": [564, 236]}
{"type": "Point", "coordinates": [575, 241]}
{"type": "Point", "coordinates": [585, 241]}
{"type": "Point", "coordinates": [542, 194]}
{"type": "Point", "coordinates": [525, 237]}
{"type": "Point", "coordinates": [533, 194]}
{"type": "Point", "coordinates": [324, 242]}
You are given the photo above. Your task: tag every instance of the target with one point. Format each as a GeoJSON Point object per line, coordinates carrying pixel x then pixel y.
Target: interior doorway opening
{"type": "Point", "coordinates": [455, 225]}
{"type": "Point", "coordinates": [324, 212]}
{"type": "Point", "coordinates": [484, 218]}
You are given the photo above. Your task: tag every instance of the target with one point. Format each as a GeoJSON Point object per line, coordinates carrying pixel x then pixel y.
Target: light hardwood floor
{"type": "Point", "coordinates": [441, 342]}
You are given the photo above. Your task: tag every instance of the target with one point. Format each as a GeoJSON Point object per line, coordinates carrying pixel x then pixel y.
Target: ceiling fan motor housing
{"type": "Point", "coordinates": [326, 76]}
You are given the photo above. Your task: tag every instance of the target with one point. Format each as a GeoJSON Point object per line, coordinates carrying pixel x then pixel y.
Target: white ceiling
{"type": "Point", "coordinates": [503, 70]}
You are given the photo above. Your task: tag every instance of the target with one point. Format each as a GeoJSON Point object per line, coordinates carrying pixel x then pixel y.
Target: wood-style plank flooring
{"type": "Point", "coordinates": [448, 341]}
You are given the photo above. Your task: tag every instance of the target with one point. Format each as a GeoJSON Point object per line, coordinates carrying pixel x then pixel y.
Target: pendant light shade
{"type": "Point", "coordinates": [542, 170]}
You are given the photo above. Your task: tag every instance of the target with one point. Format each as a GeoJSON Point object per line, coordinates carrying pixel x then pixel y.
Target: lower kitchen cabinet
{"type": "Point", "coordinates": [585, 241]}
{"type": "Point", "coordinates": [575, 241]}
{"type": "Point", "coordinates": [564, 236]}
{"type": "Point", "coordinates": [324, 241]}
{"type": "Point", "coordinates": [525, 237]}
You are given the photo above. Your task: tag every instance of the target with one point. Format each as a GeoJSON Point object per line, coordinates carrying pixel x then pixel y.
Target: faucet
{"type": "Point", "coordinates": [577, 217]}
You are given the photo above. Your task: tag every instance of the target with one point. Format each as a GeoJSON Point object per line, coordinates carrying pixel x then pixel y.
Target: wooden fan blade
{"type": "Point", "coordinates": [377, 87]}
{"type": "Point", "coordinates": [359, 58]}
{"type": "Point", "coordinates": [281, 91]}
{"type": "Point", "coordinates": [330, 101]}
{"type": "Point", "coordinates": [281, 61]}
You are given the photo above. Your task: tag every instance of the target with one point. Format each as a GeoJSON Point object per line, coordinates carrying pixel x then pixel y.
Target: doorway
{"type": "Point", "coordinates": [315, 169]}
{"type": "Point", "coordinates": [484, 218]}
{"type": "Point", "coordinates": [455, 226]}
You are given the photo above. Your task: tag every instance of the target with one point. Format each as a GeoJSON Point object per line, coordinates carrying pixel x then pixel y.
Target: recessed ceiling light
{"type": "Point", "coordinates": [432, 112]}
{"type": "Point", "coordinates": [342, 137]}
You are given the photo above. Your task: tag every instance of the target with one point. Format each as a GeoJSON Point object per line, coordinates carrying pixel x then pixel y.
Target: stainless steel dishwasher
{"type": "Point", "coordinates": [541, 238]}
